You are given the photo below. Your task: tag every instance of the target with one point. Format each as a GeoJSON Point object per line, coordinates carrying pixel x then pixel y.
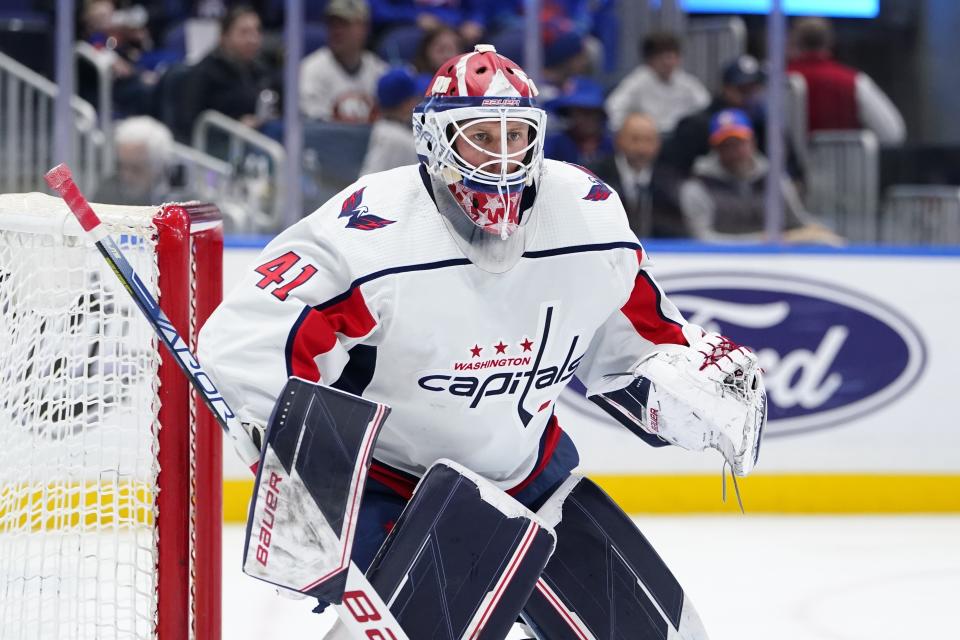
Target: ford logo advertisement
{"type": "Point", "coordinates": [830, 354]}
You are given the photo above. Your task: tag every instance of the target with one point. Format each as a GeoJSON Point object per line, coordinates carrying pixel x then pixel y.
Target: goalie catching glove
{"type": "Point", "coordinates": [709, 394]}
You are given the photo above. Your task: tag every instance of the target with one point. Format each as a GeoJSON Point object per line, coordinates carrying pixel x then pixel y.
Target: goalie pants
{"type": "Point", "coordinates": [388, 491]}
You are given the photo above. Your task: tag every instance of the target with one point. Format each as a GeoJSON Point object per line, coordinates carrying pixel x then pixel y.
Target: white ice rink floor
{"type": "Point", "coordinates": [751, 578]}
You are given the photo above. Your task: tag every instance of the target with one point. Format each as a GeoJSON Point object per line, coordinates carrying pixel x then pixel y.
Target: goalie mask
{"type": "Point", "coordinates": [479, 132]}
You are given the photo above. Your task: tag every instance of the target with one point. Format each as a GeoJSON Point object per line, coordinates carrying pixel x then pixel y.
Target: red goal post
{"type": "Point", "coordinates": [110, 468]}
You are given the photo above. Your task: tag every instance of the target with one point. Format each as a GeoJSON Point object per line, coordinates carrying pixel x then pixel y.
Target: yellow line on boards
{"type": "Point", "coordinates": [787, 493]}
{"type": "Point", "coordinates": [82, 506]}
{"type": "Point", "coordinates": [236, 499]}
{"type": "Point", "coordinates": [761, 493]}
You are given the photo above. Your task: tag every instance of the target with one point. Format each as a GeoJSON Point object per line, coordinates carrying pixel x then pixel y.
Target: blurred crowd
{"type": "Point", "coordinates": [685, 162]}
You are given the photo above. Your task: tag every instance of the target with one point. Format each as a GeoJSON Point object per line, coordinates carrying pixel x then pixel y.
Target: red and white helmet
{"type": "Point", "coordinates": [481, 87]}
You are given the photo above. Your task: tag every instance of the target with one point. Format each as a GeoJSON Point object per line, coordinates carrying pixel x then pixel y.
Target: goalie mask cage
{"type": "Point", "coordinates": [110, 468]}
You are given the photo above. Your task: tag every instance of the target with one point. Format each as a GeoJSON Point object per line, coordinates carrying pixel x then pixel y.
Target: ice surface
{"type": "Point", "coordinates": [750, 578]}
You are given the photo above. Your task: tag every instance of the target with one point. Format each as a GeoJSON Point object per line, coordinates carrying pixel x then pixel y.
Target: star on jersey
{"type": "Point", "coordinates": [500, 347]}
{"type": "Point", "coordinates": [358, 215]}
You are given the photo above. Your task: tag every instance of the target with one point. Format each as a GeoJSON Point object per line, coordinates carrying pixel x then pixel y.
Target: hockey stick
{"type": "Point", "coordinates": [363, 611]}
{"type": "Point", "coordinates": [60, 180]}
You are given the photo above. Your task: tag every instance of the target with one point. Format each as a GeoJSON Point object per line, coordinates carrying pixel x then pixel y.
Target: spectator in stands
{"type": "Point", "coordinates": [122, 31]}
{"type": "Point", "coordinates": [466, 16]}
{"type": "Point", "coordinates": [594, 20]}
{"type": "Point", "coordinates": [338, 82]}
{"type": "Point", "coordinates": [565, 56]}
{"type": "Point", "coordinates": [232, 79]}
{"type": "Point", "coordinates": [584, 138]}
{"type": "Point", "coordinates": [724, 200]}
{"type": "Point", "coordinates": [839, 97]}
{"type": "Point", "coordinates": [743, 82]}
{"type": "Point", "coordinates": [122, 39]}
{"type": "Point", "coordinates": [659, 87]}
{"type": "Point", "coordinates": [436, 47]}
{"type": "Point", "coordinates": [648, 190]}
{"type": "Point", "coordinates": [144, 150]}
{"type": "Point", "coordinates": [97, 21]}
{"type": "Point", "coordinates": [391, 140]}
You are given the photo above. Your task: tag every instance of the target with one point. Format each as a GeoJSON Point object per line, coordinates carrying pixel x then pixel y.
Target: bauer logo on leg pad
{"type": "Point", "coordinates": [266, 524]}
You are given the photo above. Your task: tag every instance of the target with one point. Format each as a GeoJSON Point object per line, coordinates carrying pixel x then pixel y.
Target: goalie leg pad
{"type": "Point", "coordinates": [605, 580]}
{"type": "Point", "coordinates": [462, 559]}
{"type": "Point", "coordinates": [384, 501]}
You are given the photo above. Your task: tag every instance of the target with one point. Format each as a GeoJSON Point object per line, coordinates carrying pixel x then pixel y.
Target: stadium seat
{"type": "Point", "coordinates": [710, 43]}
{"type": "Point", "coordinates": [175, 39]}
{"type": "Point", "coordinates": [169, 101]}
{"type": "Point", "coordinates": [400, 44]}
{"type": "Point", "coordinates": [843, 182]}
{"type": "Point", "coordinates": [27, 37]}
{"type": "Point", "coordinates": [921, 214]}
{"type": "Point", "coordinates": [509, 42]}
{"type": "Point", "coordinates": [314, 37]}
{"type": "Point", "coordinates": [334, 155]}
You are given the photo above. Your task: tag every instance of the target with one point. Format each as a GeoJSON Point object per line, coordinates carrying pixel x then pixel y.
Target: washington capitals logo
{"type": "Point", "coordinates": [520, 370]}
{"type": "Point", "coordinates": [358, 215]}
{"type": "Point", "coordinates": [598, 189]}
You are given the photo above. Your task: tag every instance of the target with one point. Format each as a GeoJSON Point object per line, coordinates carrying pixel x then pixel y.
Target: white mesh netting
{"type": "Point", "coordinates": [78, 428]}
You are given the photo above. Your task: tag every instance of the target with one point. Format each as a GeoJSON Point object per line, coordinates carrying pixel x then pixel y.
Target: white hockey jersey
{"type": "Point", "coordinates": [371, 294]}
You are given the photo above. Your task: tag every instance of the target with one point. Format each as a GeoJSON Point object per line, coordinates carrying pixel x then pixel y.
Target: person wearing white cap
{"type": "Point", "coordinates": [659, 87]}
{"type": "Point", "coordinates": [339, 81]}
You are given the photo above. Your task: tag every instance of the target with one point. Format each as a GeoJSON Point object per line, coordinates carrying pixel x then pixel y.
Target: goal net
{"type": "Point", "coordinates": [110, 470]}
